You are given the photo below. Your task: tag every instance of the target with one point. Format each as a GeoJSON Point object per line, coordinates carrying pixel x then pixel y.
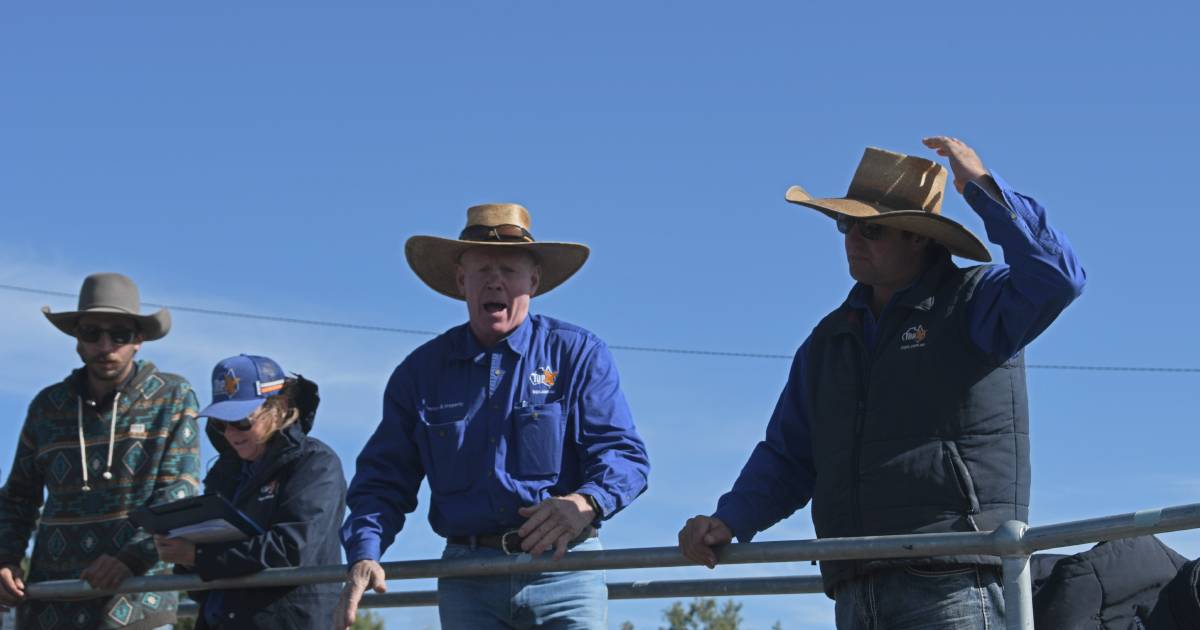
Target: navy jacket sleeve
{"type": "Point", "coordinates": [779, 476]}
{"type": "Point", "coordinates": [388, 475]}
{"type": "Point", "coordinates": [615, 464]}
{"type": "Point", "coordinates": [308, 509]}
{"type": "Point", "coordinates": [1015, 302]}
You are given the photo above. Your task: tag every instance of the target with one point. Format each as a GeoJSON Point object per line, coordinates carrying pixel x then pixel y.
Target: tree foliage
{"type": "Point", "coordinates": [702, 614]}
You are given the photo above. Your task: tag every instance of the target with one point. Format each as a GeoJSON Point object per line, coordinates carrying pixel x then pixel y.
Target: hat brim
{"type": "Point", "coordinates": [956, 238]}
{"type": "Point", "coordinates": [230, 410]}
{"type": "Point", "coordinates": [434, 259]}
{"type": "Point", "coordinates": [152, 327]}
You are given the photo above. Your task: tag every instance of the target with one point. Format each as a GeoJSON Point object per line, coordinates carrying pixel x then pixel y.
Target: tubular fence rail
{"type": "Point", "coordinates": [1013, 542]}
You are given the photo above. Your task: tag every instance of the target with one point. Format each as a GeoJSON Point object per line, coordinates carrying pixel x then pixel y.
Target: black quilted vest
{"type": "Point", "coordinates": [923, 432]}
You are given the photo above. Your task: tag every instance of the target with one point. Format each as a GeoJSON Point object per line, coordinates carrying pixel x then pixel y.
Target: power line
{"type": "Point", "coordinates": [676, 351]}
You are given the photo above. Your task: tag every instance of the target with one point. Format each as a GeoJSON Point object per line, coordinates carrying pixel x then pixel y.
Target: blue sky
{"type": "Point", "coordinates": [272, 158]}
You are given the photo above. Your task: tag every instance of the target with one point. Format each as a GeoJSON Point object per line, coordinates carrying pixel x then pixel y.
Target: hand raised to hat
{"type": "Point", "coordinates": [964, 162]}
{"type": "Point", "coordinates": [554, 522]}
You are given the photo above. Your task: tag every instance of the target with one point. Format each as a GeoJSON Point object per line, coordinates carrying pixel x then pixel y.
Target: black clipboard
{"type": "Point", "coordinates": [207, 518]}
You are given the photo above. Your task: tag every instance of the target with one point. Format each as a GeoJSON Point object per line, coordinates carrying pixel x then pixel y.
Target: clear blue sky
{"type": "Point", "coordinates": [272, 158]}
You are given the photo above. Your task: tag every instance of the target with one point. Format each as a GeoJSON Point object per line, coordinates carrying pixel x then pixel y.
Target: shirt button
{"type": "Point", "coordinates": [491, 440]}
{"type": "Point", "coordinates": [535, 415]}
{"type": "Point", "coordinates": [500, 510]}
{"type": "Point", "coordinates": [442, 433]}
{"type": "Point", "coordinates": [491, 473]}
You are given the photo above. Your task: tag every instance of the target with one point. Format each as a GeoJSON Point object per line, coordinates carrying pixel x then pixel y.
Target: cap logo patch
{"type": "Point", "coordinates": [230, 384]}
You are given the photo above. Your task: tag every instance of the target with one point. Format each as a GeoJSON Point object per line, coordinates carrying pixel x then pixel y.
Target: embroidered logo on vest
{"type": "Point", "coordinates": [914, 337]}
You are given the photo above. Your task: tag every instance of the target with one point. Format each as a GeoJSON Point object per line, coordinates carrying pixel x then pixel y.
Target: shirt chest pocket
{"type": "Point", "coordinates": [442, 435]}
{"type": "Point", "coordinates": [539, 439]}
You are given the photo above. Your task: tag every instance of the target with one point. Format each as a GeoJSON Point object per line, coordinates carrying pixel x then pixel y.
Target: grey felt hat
{"type": "Point", "coordinates": [111, 294]}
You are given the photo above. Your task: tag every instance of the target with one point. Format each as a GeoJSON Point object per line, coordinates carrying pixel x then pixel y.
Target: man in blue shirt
{"type": "Point", "coordinates": [519, 423]}
{"type": "Point", "coordinates": [905, 410]}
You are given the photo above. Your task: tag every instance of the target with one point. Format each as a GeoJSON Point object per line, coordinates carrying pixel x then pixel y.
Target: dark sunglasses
{"type": "Point", "coordinates": [501, 233]}
{"type": "Point", "coordinates": [119, 336]}
{"type": "Point", "coordinates": [869, 231]}
{"type": "Point", "coordinates": [240, 425]}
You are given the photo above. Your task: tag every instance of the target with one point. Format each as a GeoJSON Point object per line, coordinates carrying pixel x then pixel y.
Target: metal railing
{"type": "Point", "coordinates": [1013, 542]}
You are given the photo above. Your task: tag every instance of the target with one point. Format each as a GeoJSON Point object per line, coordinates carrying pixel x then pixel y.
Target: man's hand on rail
{"type": "Point", "coordinates": [175, 550]}
{"type": "Point", "coordinates": [105, 573]}
{"type": "Point", "coordinates": [698, 537]}
{"type": "Point", "coordinates": [554, 522]}
{"type": "Point", "coordinates": [12, 585]}
{"type": "Point", "coordinates": [363, 574]}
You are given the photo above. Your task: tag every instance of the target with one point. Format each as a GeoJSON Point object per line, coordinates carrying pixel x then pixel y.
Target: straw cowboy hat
{"type": "Point", "coordinates": [899, 191]}
{"type": "Point", "coordinates": [111, 294]}
{"type": "Point", "coordinates": [499, 225]}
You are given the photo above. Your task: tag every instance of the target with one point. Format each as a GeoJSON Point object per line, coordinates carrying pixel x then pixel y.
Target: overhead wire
{"type": "Point", "coordinates": [652, 349]}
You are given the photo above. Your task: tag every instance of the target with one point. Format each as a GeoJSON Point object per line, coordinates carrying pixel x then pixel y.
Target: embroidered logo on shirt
{"type": "Point", "coordinates": [267, 492]}
{"type": "Point", "coordinates": [543, 377]}
{"type": "Point", "coordinates": [914, 337]}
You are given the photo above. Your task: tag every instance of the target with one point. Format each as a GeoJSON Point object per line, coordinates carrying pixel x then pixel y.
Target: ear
{"type": "Point", "coordinates": [460, 277]}
{"type": "Point", "coordinates": [535, 278]}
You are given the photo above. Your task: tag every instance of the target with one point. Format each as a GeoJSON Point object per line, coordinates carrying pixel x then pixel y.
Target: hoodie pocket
{"type": "Point", "coordinates": [539, 439]}
{"type": "Point", "coordinates": [962, 478]}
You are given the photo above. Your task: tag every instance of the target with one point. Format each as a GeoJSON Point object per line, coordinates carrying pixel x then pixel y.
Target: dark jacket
{"type": "Point", "coordinates": [1112, 586]}
{"type": "Point", "coordinates": [1178, 605]}
{"type": "Point", "coordinates": [297, 493]}
{"type": "Point", "coordinates": [922, 433]}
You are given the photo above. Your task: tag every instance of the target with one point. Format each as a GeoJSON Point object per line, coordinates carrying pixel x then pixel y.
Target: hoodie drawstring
{"type": "Point", "coordinates": [112, 434]}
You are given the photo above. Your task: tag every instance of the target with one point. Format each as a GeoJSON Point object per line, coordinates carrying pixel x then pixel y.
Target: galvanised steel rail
{"type": "Point", "coordinates": [1013, 542]}
{"type": "Point", "coordinates": [651, 589]}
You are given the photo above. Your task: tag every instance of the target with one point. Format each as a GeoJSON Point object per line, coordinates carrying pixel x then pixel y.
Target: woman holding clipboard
{"type": "Point", "coordinates": [287, 482]}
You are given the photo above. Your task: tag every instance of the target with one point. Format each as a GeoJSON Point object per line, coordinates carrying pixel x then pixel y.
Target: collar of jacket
{"type": "Point", "coordinates": [143, 382]}
{"type": "Point", "coordinates": [918, 296]}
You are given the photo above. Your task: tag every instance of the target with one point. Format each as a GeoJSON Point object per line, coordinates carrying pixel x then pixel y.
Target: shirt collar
{"type": "Point", "coordinates": [918, 295]}
{"type": "Point", "coordinates": [516, 341]}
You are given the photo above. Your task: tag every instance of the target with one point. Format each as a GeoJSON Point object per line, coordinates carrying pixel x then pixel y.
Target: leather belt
{"type": "Point", "coordinates": [510, 541]}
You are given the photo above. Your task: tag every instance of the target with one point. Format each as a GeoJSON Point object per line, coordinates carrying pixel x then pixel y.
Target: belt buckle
{"type": "Point", "coordinates": [504, 542]}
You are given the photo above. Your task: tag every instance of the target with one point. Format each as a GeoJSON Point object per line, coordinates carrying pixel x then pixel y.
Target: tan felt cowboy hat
{"type": "Point", "coordinates": [504, 225]}
{"type": "Point", "coordinates": [112, 294]}
{"type": "Point", "coordinates": [899, 191]}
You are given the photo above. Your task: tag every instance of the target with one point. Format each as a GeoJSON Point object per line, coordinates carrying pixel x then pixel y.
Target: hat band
{"type": "Point", "coordinates": [506, 233]}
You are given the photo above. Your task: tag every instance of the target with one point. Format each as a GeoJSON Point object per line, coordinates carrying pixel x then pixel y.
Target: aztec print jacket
{"type": "Point", "coordinates": [147, 440]}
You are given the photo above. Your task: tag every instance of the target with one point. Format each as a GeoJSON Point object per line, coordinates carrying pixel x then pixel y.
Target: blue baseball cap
{"type": "Point", "coordinates": [240, 385]}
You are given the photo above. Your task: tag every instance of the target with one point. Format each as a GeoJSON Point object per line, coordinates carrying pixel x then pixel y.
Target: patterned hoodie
{"type": "Point", "coordinates": [147, 440]}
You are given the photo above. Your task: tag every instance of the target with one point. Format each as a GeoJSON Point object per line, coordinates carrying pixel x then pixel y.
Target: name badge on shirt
{"type": "Point", "coordinates": [137, 430]}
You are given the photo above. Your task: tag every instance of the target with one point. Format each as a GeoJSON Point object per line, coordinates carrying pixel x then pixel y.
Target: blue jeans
{"type": "Point", "coordinates": [904, 598]}
{"type": "Point", "coordinates": [576, 600]}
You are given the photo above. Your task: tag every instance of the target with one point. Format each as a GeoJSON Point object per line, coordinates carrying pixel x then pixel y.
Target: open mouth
{"type": "Point", "coordinates": [494, 307]}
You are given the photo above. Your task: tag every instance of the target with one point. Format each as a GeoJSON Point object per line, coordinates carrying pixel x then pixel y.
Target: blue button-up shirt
{"type": "Point", "coordinates": [1012, 304]}
{"type": "Point", "coordinates": [540, 414]}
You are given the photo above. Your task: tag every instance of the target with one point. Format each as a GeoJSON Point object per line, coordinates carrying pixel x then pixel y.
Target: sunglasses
{"type": "Point", "coordinates": [503, 233]}
{"type": "Point", "coordinates": [869, 231]}
{"type": "Point", "coordinates": [119, 336]}
{"type": "Point", "coordinates": [240, 425]}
